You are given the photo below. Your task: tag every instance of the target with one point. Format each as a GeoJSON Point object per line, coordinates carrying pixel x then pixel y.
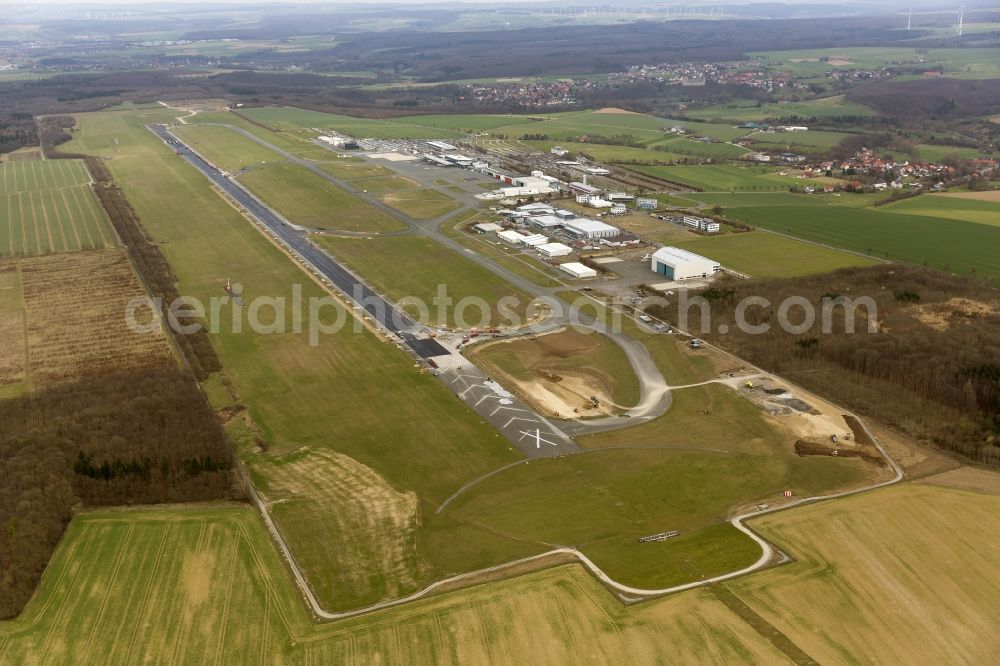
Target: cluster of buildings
{"type": "Point", "coordinates": [748, 73]}
{"type": "Point", "coordinates": [514, 92]}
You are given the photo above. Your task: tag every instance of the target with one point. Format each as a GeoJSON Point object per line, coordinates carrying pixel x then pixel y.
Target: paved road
{"type": "Point", "coordinates": [534, 435]}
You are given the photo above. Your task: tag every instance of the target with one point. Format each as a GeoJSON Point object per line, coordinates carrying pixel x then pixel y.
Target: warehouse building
{"type": "Point", "coordinates": [512, 237]}
{"type": "Point", "coordinates": [584, 188]}
{"type": "Point", "coordinates": [545, 221]}
{"type": "Point", "coordinates": [676, 264]}
{"type": "Point", "coordinates": [585, 228]}
{"type": "Point", "coordinates": [487, 227]}
{"type": "Point", "coordinates": [534, 240]}
{"type": "Point", "coordinates": [578, 270]}
{"type": "Point", "coordinates": [554, 250]}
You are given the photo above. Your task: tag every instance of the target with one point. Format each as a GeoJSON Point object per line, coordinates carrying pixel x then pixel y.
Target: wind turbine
{"type": "Point", "coordinates": [961, 19]}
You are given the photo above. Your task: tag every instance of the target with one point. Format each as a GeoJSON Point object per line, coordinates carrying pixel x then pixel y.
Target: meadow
{"type": "Point", "coordinates": [762, 254]}
{"type": "Point", "coordinates": [717, 178]}
{"type": "Point", "coordinates": [48, 206]}
{"type": "Point", "coordinates": [420, 204]}
{"type": "Point", "coordinates": [465, 123]}
{"type": "Point", "coordinates": [308, 200]}
{"type": "Point", "coordinates": [225, 148]}
{"type": "Point", "coordinates": [289, 118]}
{"type": "Point", "coordinates": [949, 244]}
{"type": "Point", "coordinates": [742, 111]}
{"type": "Point", "coordinates": [870, 580]}
{"type": "Point", "coordinates": [351, 394]}
{"type": "Point", "coordinates": [415, 267]}
{"type": "Point", "coordinates": [966, 63]}
{"type": "Point", "coordinates": [950, 206]}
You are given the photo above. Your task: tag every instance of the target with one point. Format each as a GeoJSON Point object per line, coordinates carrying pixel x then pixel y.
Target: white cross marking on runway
{"type": "Point", "coordinates": [538, 438]}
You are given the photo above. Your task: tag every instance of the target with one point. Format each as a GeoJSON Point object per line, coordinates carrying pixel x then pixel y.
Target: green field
{"type": "Point", "coordinates": [949, 244]}
{"type": "Point", "coordinates": [869, 581]}
{"type": "Point", "coordinates": [308, 200]}
{"type": "Point", "coordinates": [644, 129]}
{"type": "Point", "coordinates": [950, 207]}
{"type": "Point", "coordinates": [803, 140]}
{"type": "Point", "coordinates": [48, 206]}
{"type": "Point", "coordinates": [684, 471]}
{"type": "Point", "coordinates": [420, 204]}
{"type": "Point", "coordinates": [283, 117]}
{"type": "Point", "coordinates": [465, 123]}
{"type": "Point", "coordinates": [742, 111]}
{"type": "Point", "coordinates": [413, 266]}
{"type": "Point", "coordinates": [225, 148]}
{"type": "Point", "coordinates": [729, 178]}
{"type": "Point", "coordinates": [764, 255]}
{"type": "Point", "coordinates": [197, 586]}
{"type": "Point", "coordinates": [322, 411]}
{"type": "Point", "coordinates": [961, 62]}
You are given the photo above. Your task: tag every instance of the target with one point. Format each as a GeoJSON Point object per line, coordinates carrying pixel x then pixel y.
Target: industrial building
{"type": "Point", "coordinates": [545, 221]}
{"type": "Point", "coordinates": [676, 264]}
{"type": "Point", "coordinates": [618, 209]}
{"type": "Point", "coordinates": [584, 188]}
{"type": "Point", "coordinates": [647, 204]}
{"type": "Point", "coordinates": [585, 228]}
{"type": "Point", "coordinates": [535, 209]}
{"type": "Point", "coordinates": [511, 237]}
{"type": "Point", "coordinates": [554, 250]}
{"type": "Point", "coordinates": [534, 240]}
{"type": "Point", "coordinates": [578, 270]}
{"type": "Point", "coordinates": [705, 224]}
{"type": "Point", "coordinates": [487, 227]}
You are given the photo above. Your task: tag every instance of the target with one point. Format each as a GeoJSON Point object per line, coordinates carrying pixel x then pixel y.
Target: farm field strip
{"type": "Point", "coordinates": [761, 254]}
{"type": "Point", "coordinates": [954, 245]}
{"type": "Point", "coordinates": [40, 221]}
{"type": "Point", "coordinates": [30, 175]}
{"type": "Point", "coordinates": [361, 128]}
{"type": "Point", "coordinates": [869, 578]}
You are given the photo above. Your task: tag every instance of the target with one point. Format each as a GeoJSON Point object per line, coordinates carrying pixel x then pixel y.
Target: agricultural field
{"type": "Point", "coordinates": [963, 63]}
{"type": "Point", "coordinates": [645, 129]}
{"type": "Point", "coordinates": [13, 354]}
{"type": "Point", "coordinates": [117, 574]}
{"type": "Point", "coordinates": [560, 371]}
{"type": "Point", "coordinates": [730, 178]}
{"type": "Point", "coordinates": [308, 200]}
{"type": "Point", "coordinates": [48, 206]}
{"type": "Point", "coordinates": [288, 118]}
{"type": "Point", "coordinates": [917, 238]}
{"type": "Point", "coordinates": [743, 111]}
{"type": "Point", "coordinates": [420, 204]}
{"type": "Point", "coordinates": [465, 123]}
{"type": "Point", "coordinates": [871, 581]}
{"type": "Point", "coordinates": [225, 148]}
{"type": "Point", "coordinates": [967, 207]}
{"type": "Point", "coordinates": [75, 306]}
{"type": "Point", "coordinates": [766, 255]}
{"type": "Point", "coordinates": [804, 140]}
{"type": "Point", "coordinates": [415, 267]}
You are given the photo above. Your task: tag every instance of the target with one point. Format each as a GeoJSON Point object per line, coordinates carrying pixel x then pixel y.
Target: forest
{"type": "Point", "coordinates": [932, 369]}
{"type": "Point", "coordinates": [140, 437]}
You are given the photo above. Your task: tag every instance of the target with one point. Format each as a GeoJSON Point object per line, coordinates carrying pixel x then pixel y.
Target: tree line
{"type": "Point", "coordinates": [932, 370]}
